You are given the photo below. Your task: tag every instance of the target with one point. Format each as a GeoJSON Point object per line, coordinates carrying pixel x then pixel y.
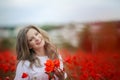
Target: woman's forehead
{"type": "Point", "coordinates": [31, 32]}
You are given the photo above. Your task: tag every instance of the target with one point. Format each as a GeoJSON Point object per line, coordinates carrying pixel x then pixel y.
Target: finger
{"type": "Point", "coordinates": [61, 70]}
{"type": "Point", "coordinates": [58, 72]}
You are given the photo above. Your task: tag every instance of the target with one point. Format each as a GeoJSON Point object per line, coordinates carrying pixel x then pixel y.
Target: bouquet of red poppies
{"type": "Point", "coordinates": [50, 66]}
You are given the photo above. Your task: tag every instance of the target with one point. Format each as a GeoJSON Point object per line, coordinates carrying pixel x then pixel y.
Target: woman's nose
{"type": "Point", "coordinates": [36, 38]}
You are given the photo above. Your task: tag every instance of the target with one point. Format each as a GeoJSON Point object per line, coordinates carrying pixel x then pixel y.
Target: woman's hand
{"type": "Point", "coordinates": [59, 73]}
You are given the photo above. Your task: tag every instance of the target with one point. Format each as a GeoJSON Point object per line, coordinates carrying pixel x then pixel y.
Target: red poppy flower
{"type": "Point", "coordinates": [49, 66]}
{"type": "Point", "coordinates": [56, 63]}
{"type": "Point", "coordinates": [24, 75]}
{"type": "Point", "coordinates": [68, 60]}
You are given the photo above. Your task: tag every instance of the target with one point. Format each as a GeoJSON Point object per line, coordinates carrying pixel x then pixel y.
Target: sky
{"type": "Point", "coordinates": [17, 12]}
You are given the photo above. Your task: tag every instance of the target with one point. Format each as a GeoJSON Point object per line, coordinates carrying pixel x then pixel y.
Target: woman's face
{"type": "Point", "coordinates": [35, 39]}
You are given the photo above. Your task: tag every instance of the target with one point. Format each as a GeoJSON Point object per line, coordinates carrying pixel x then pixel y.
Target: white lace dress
{"type": "Point", "coordinates": [35, 73]}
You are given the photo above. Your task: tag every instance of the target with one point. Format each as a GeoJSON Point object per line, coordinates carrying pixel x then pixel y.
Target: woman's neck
{"type": "Point", "coordinates": [40, 52]}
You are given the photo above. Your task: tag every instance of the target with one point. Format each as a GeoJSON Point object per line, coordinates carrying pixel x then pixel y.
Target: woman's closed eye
{"type": "Point", "coordinates": [36, 33]}
{"type": "Point", "coordinates": [30, 39]}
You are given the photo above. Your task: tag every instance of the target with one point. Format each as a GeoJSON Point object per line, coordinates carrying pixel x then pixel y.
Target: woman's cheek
{"type": "Point", "coordinates": [32, 43]}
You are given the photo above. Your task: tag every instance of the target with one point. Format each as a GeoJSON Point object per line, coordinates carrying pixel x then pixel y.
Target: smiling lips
{"type": "Point", "coordinates": [38, 43]}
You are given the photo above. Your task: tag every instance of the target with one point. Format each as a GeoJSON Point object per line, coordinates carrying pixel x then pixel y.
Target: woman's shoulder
{"type": "Point", "coordinates": [24, 63]}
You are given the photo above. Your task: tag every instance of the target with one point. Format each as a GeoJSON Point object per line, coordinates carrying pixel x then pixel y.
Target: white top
{"type": "Point", "coordinates": [37, 73]}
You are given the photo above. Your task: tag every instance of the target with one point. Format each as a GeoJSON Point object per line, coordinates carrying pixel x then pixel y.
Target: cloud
{"type": "Point", "coordinates": [57, 11]}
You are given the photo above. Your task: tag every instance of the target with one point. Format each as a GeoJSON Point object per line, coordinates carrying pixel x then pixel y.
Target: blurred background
{"type": "Point", "coordinates": [87, 29]}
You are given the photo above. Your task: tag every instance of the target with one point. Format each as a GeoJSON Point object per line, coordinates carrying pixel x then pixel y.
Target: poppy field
{"type": "Point", "coordinates": [78, 65]}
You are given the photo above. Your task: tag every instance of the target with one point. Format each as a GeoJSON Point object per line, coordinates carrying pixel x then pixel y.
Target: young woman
{"type": "Point", "coordinates": [33, 49]}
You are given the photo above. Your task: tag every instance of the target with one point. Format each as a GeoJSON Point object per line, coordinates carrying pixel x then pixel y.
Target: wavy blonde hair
{"type": "Point", "coordinates": [23, 51]}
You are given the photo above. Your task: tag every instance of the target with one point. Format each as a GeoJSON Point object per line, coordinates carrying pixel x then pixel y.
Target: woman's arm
{"type": "Point", "coordinates": [21, 72]}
